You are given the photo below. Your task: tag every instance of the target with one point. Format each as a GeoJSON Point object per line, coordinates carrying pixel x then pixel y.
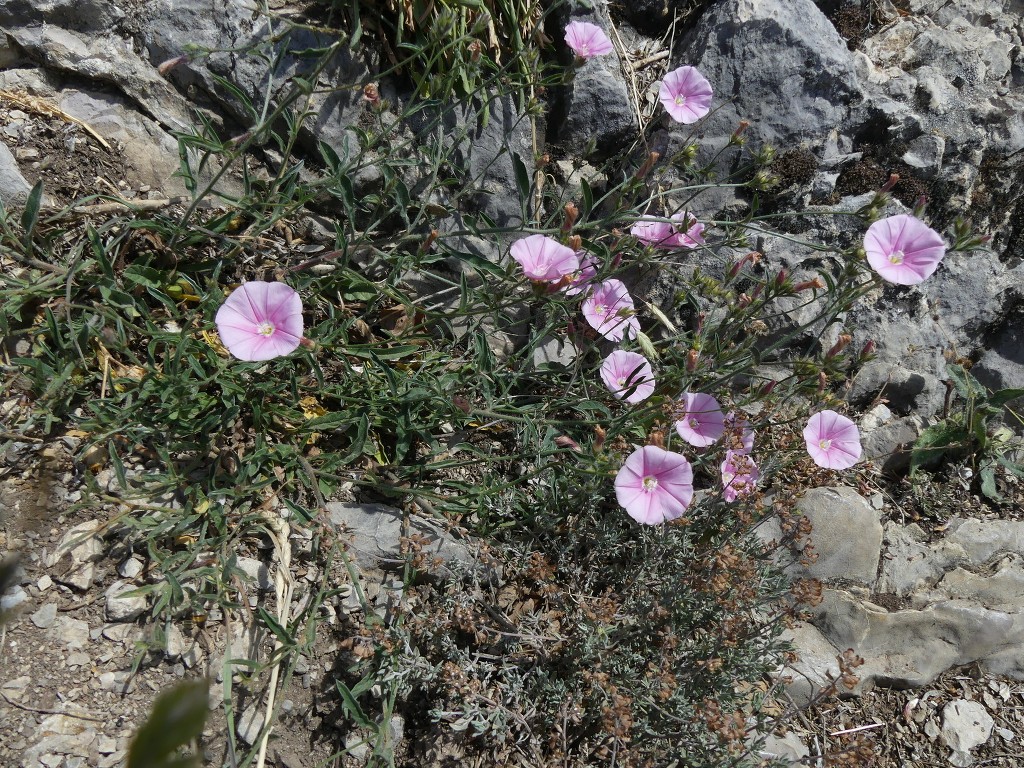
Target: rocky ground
{"type": "Point", "coordinates": [924, 583]}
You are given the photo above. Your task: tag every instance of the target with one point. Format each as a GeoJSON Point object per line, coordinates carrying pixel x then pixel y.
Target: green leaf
{"type": "Point", "coordinates": [176, 721]}
{"type": "Point", "coordinates": [966, 385]}
{"type": "Point", "coordinates": [1003, 396]}
{"type": "Point", "coordinates": [934, 442]}
{"type": "Point", "coordinates": [30, 215]}
{"type": "Point", "coordinates": [522, 177]}
{"type": "Point", "coordinates": [352, 707]}
{"type": "Point", "coordinates": [988, 482]}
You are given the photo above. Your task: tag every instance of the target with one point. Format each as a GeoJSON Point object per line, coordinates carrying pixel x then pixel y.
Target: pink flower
{"type": "Point", "coordinates": [609, 310]}
{"type": "Point", "coordinates": [701, 420]}
{"type": "Point", "coordinates": [739, 475]}
{"type": "Point", "coordinates": [260, 321]}
{"type": "Point", "coordinates": [544, 259]}
{"type": "Point", "coordinates": [627, 372]}
{"type": "Point", "coordinates": [686, 94]}
{"type": "Point", "coordinates": [587, 40]}
{"type": "Point", "coordinates": [832, 440]}
{"type": "Point", "coordinates": [580, 280]}
{"type": "Point", "coordinates": [654, 485]}
{"type": "Point", "coordinates": [903, 249]}
{"type": "Point", "coordinates": [681, 231]}
{"type": "Point", "coordinates": [739, 436]}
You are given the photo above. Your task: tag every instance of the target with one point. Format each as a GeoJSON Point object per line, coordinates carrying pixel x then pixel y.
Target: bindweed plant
{"type": "Point", "coordinates": [354, 323]}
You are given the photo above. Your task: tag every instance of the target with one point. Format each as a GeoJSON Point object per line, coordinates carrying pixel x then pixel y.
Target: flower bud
{"type": "Point", "coordinates": [816, 283]}
{"type": "Point", "coordinates": [575, 242]}
{"type": "Point", "coordinates": [170, 64]}
{"type": "Point", "coordinates": [893, 180]}
{"type": "Point", "coordinates": [599, 438]}
{"type": "Point", "coordinates": [838, 347]}
{"type": "Point", "coordinates": [648, 164]}
{"type": "Point", "coordinates": [571, 213]}
{"type": "Point", "coordinates": [692, 359]}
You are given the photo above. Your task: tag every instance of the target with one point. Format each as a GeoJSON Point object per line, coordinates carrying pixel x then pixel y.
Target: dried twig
{"type": "Point", "coordinates": [42, 107]}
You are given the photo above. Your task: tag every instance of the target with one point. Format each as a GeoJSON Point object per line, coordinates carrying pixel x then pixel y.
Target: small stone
{"type": "Point", "coordinates": [356, 745]}
{"type": "Point", "coordinates": [119, 633]}
{"type": "Point", "coordinates": [13, 599]}
{"type": "Point", "coordinates": [44, 583]}
{"type": "Point", "coordinates": [250, 724]}
{"type": "Point", "coordinates": [78, 659]}
{"type": "Point", "coordinates": [117, 682]}
{"type": "Point", "coordinates": [106, 745]}
{"type": "Point", "coordinates": [1005, 734]}
{"type": "Point", "coordinates": [965, 725]}
{"type": "Point", "coordinates": [26, 153]}
{"type": "Point", "coordinates": [130, 568]}
{"type": "Point", "coordinates": [75, 556]}
{"type": "Point", "coordinates": [257, 572]}
{"type": "Point", "coordinates": [73, 633]}
{"type": "Point", "coordinates": [119, 607]}
{"type": "Point", "coordinates": [45, 616]}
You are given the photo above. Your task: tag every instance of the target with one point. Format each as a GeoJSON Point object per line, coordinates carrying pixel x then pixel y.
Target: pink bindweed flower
{"type": "Point", "coordinates": [260, 321]}
{"type": "Point", "coordinates": [628, 375]}
{"type": "Point", "coordinates": [701, 421]}
{"type": "Point", "coordinates": [739, 475]}
{"type": "Point", "coordinates": [609, 310]}
{"type": "Point", "coordinates": [654, 485]}
{"type": "Point", "coordinates": [681, 231]}
{"type": "Point", "coordinates": [903, 249]}
{"type": "Point", "coordinates": [833, 441]}
{"type": "Point", "coordinates": [686, 94]}
{"type": "Point", "coordinates": [587, 40]}
{"type": "Point", "coordinates": [739, 435]}
{"type": "Point", "coordinates": [544, 259]}
{"type": "Point", "coordinates": [581, 279]}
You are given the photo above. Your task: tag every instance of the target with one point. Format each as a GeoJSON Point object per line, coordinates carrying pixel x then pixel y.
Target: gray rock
{"type": "Point", "coordinates": [910, 563]}
{"type": "Point", "coordinates": [130, 568]}
{"type": "Point", "coordinates": [376, 532]}
{"type": "Point", "coordinates": [72, 633]}
{"type": "Point", "coordinates": [13, 187]}
{"type": "Point", "coordinates": [925, 155]}
{"type": "Point", "coordinates": [553, 351]}
{"type": "Point", "coordinates": [965, 725]}
{"type": "Point", "coordinates": [121, 607]}
{"type": "Point", "coordinates": [119, 682]}
{"type": "Point", "coordinates": [789, 747]}
{"type": "Point", "coordinates": [257, 572]}
{"type": "Point", "coordinates": [816, 662]}
{"type": "Point", "coordinates": [73, 561]}
{"type": "Point", "coordinates": [910, 648]}
{"type": "Point", "coordinates": [779, 64]}
{"type": "Point", "coordinates": [598, 103]}
{"type": "Point", "coordinates": [1003, 590]}
{"type": "Point", "coordinates": [846, 535]}
{"type": "Point", "coordinates": [12, 599]}
{"type": "Point", "coordinates": [45, 616]}
{"type": "Point", "coordinates": [983, 539]}
{"type": "Point", "coordinates": [886, 439]}
{"type": "Point", "coordinates": [1001, 365]}
{"type": "Point", "coordinates": [250, 724]}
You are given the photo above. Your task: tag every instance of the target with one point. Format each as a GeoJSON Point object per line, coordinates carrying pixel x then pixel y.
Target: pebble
{"type": "Point", "coordinates": [73, 633]}
{"type": "Point", "coordinates": [13, 599]}
{"type": "Point", "coordinates": [965, 725]}
{"type": "Point", "coordinates": [78, 659]}
{"type": "Point", "coordinates": [44, 583]}
{"type": "Point", "coordinates": [118, 607]}
{"type": "Point", "coordinates": [45, 616]}
{"type": "Point", "coordinates": [130, 568]}
{"type": "Point", "coordinates": [250, 724]}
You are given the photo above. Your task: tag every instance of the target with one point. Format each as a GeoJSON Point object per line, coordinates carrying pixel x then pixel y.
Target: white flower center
{"type": "Point", "coordinates": [694, 423]}
{"type": "Point", "coordinates": [896, 257]}
{"type": "Point", "coordinates": [600, 309]}
{"type": "Point", "coordinates": [265, 329]}
{"type": "Point", "coordinates": [680, 100]}
{"type": "Point", "coordinates": [824, 444]}
{"type": "Point", "coordinates": [650, 482]}
{"type": "Point", "coordinates": [622, 381]}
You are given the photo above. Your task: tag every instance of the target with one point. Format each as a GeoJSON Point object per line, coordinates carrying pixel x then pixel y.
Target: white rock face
{"type": "Point", "coordinates": [965, 725]}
